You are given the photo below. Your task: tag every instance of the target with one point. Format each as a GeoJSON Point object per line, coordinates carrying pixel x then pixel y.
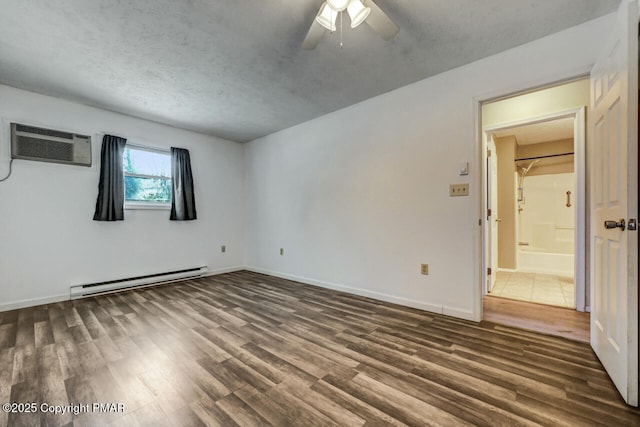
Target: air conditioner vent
{"type": "Point", "coordinates": [41, 149]}
{"type": "Point", "coordinates": [45, 132]}
{"type": "Point", "coordinates": [49, 145]}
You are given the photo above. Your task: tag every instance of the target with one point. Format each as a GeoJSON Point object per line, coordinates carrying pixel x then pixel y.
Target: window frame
{"type": "Point", "coordinates": [134, 205]}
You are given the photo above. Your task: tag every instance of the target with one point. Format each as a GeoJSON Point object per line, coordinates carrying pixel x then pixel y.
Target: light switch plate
{"type": "Point", "coordinates": [464, 168]}
{"type": "Point", "coordinates": [456, 190]}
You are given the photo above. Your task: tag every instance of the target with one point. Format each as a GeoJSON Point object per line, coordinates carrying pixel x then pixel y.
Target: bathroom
{"type": "Point", "coordinates": [536, 213]}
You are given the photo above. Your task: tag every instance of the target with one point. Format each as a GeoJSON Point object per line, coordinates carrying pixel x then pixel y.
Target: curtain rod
{"type": "Point", "coordinates": [544, 157]}
{"type": "Point", "coordinates": [135, 144]}
{"type": "Point", "coordinates": [149, 148]}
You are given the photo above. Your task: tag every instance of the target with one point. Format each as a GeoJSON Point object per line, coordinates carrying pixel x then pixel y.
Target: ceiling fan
{"type": "Point", "coordinates": [358, 13]}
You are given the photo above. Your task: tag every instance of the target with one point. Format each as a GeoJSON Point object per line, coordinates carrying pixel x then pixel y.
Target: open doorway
{"type": "Point", "coordinates": [534, 234]}
{"type": "Point", "coordinates": [532, 177]}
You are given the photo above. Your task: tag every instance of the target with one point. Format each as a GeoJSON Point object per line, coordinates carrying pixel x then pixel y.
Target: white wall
{"type": "Point", "coordinates": [48, 239]}
{"type": "Point", "coordinates": [359, 198]}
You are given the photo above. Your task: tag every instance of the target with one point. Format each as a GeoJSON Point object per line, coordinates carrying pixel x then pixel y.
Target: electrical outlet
{"type": "Point", "coordinates": [456, 190]}
{"type": "Point", "coordinates": [223, 249]}
{"type": "Point", "coordinates": [424, 269]}
{"type": "Point", "coordinates": [281, 251]}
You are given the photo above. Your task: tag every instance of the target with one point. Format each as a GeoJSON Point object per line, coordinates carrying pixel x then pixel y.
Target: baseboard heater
{"type": "Point", "coordinates": [90, 289]}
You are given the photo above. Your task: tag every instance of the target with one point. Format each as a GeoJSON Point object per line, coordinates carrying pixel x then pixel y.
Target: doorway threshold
{"type": "Point", "coordinates": [557, 321]}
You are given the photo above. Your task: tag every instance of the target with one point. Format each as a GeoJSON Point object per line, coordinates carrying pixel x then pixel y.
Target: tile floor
{"type": "Point", "coordinates": [534, 287]}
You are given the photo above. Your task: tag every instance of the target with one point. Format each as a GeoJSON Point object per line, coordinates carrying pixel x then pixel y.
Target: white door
{"type": "Point", "coordinates": [492, 220]}
{"type": "Point", "coordinates": [614, 197]}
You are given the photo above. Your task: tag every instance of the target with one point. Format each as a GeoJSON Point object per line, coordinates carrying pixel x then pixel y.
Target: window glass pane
{"type": "Point", "coordinates": [155, 190]}
{"type": "Point", "coordinates": [146, 162]}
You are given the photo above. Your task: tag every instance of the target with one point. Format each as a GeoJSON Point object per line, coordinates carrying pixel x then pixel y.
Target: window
{"type": "Point", "coordinates": [147, 178]}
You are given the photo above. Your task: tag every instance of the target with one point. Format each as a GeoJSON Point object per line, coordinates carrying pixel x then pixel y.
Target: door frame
{"type": "Point", "coordinates": [491, 245]}
{"type": "Point", "coordinates": [580, 147]}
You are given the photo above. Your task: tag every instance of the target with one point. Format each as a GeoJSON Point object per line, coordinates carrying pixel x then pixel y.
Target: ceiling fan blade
{"type": "Point", "coordinates": [313, 36]}
{"type": "Point", "coordinates": [380, 22]}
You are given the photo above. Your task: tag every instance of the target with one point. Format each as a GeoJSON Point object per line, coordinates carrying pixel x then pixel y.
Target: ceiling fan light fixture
{"type": "Point", "coordinates": [338, 5]}
{"type": "Point", "coordinates": [327, 17]}
{"type": "Point", "coordinates": [357, 12]}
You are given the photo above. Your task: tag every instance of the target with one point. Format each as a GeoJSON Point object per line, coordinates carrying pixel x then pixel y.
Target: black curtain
{"type": "Point", "coordinates": [110, 203]}
{"type": "Point", "coordinates": [183, 203]}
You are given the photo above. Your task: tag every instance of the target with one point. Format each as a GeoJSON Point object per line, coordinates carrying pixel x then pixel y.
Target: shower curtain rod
{"type": "Point", "coordinates": [544, 157]}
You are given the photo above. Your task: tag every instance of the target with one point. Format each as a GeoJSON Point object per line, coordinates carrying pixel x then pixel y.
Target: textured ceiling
{"type": "Point", "coordinates": [236, 69]}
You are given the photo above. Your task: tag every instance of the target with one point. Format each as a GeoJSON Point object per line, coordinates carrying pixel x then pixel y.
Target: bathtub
{"type": "Point", "coordinates": [535, 260]}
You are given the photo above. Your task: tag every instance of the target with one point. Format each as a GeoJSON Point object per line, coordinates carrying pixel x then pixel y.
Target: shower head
{"type": "Point", "coordinates": [525, 170]}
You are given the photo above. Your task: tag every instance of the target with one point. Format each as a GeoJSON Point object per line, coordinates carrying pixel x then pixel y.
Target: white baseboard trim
{"type": "Point", "coordinates": [224, 270]}
{"type": "Point", "coordinates": [65, 297]}
{"type": "Point", "coordinates": [460, 314]}
{"type": "Point", "coordinates": [33, 302]}
{"type": "Point", "coordinates": [432, 308]}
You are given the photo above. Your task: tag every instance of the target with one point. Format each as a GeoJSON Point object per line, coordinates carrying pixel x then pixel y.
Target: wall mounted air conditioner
{"type": "Point", "coordinates": [48, 145]}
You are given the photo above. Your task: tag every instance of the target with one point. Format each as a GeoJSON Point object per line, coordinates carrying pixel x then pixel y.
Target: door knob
{"type": "Point", "coordinates": [615, 224]}
{"type": "Point", "coordinates": [498, 219]}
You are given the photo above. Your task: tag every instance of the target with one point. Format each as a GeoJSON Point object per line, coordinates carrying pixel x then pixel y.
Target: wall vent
{"type": "Point", "coordinates": [48, 145]}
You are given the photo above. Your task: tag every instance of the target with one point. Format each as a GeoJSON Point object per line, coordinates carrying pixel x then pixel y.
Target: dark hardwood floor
{"type": "Point", "coordinates": [559, 321]}
{"type": "Point", "coordinates": [248, 349]}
